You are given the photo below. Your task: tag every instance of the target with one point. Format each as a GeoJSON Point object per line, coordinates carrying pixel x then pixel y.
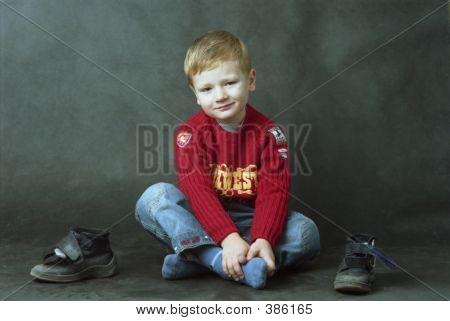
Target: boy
{"type": "Point", "coordinates": [229, 214]}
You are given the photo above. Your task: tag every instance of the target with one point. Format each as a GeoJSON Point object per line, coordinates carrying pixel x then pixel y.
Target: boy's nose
{"type": "Point", "coordinates": [221, 95]}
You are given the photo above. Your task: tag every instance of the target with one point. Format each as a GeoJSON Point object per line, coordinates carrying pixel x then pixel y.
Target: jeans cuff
{"type": "Point", "coordinates": [191, 240]}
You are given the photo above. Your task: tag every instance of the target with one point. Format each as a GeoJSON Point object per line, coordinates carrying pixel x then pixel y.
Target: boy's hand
{"type": "Point", "coordinates": [262, 248]}
{"type": "Point", "coordinates": [234, 254]}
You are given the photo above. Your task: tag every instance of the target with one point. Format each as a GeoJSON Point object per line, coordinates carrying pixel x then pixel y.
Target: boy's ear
{"type": "Point", "coordinates": [252, 80]}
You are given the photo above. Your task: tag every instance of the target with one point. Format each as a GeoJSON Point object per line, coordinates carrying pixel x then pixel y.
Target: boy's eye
{"type": "Point", "coordinates": [231, 82]}
{"type": "Point", "coordinates": [205, 89]}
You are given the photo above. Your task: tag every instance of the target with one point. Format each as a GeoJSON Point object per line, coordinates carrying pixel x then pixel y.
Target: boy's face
{"type": "Point", "coordinates": [223, 92]}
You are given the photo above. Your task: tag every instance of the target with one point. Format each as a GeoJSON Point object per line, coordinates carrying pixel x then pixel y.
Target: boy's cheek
{"type": "Point", "coordinates": [203, 99]}
{"type": "Point", "coordinates": [203, 104]}
{"type": "Point", "coordinates": [236, 91]}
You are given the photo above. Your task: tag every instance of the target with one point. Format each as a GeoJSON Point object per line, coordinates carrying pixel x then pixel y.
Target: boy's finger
{"type": "Point", "coordinates": [237, 270]}
{"type": "Point", "coordinates": [270, 265]}
{"type": "Point", "coordinates": [271, 268]}
{"type": "Point", "coordinates": [225, 267]}
{"type": "Point", "coordinates": [231, 272]}
{"type": "Point", "coordinates": [242, 259]}
{"type": "Point", "coordinates": [251, 253]}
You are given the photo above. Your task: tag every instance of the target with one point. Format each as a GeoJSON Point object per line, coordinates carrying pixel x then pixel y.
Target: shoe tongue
{"type": "Point", "coordinates": [369, 241]}
{"type": "Point", "coordinates": [84, 240]}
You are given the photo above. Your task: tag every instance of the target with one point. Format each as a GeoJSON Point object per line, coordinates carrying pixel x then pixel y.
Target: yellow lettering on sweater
{"type": "Point", "coordinates": [229, 181]}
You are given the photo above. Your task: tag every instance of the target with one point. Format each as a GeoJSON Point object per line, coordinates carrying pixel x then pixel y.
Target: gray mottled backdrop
{"type": "Point", "coordinates": [372, 147]}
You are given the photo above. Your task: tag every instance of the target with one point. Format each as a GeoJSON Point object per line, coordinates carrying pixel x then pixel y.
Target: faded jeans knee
{"type": "Point", "coordinates": [299, 243]}
{"type": "Point", "coordinates": [148, 204]}
{"type": "Point", "coordinates": [310, 238]}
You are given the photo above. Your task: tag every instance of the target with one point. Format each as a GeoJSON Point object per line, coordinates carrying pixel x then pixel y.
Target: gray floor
{"type": "Point", "coordinates": [139, 278]}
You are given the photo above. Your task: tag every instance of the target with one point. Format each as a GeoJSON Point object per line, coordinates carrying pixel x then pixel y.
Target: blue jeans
{"type": "Point", "coordinates": [164, 211]}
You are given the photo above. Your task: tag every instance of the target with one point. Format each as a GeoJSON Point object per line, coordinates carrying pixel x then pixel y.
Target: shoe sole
{"type": "Point", "coordinates": [94, 271]}
{"type": "Point", "coordinates": [352, 287]}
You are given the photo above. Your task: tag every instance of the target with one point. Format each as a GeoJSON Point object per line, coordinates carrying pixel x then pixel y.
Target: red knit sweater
{"type": "Point", "coordinates": [215, 165]}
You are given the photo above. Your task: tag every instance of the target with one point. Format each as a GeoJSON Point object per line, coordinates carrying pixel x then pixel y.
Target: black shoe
{"type": "Point", "coordinates": [355, 274]}
{"type": "Point", "coordinates": [81, 254]}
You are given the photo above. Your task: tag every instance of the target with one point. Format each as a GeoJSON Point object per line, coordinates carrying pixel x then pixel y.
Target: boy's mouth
{"type": "Point", "coordinates": [224, 107]}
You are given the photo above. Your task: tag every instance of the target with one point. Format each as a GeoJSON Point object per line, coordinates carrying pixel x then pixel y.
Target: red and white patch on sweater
{"type": "Point", "coordinates": [278, 134]}
{"type": "Point", "coordinates": [183, 139]}
{"type": "Point", "coordinates": [283, 152]}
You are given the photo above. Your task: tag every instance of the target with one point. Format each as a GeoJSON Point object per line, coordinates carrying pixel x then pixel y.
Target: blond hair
{"type": "Point", "coordinates": [213, 48]}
